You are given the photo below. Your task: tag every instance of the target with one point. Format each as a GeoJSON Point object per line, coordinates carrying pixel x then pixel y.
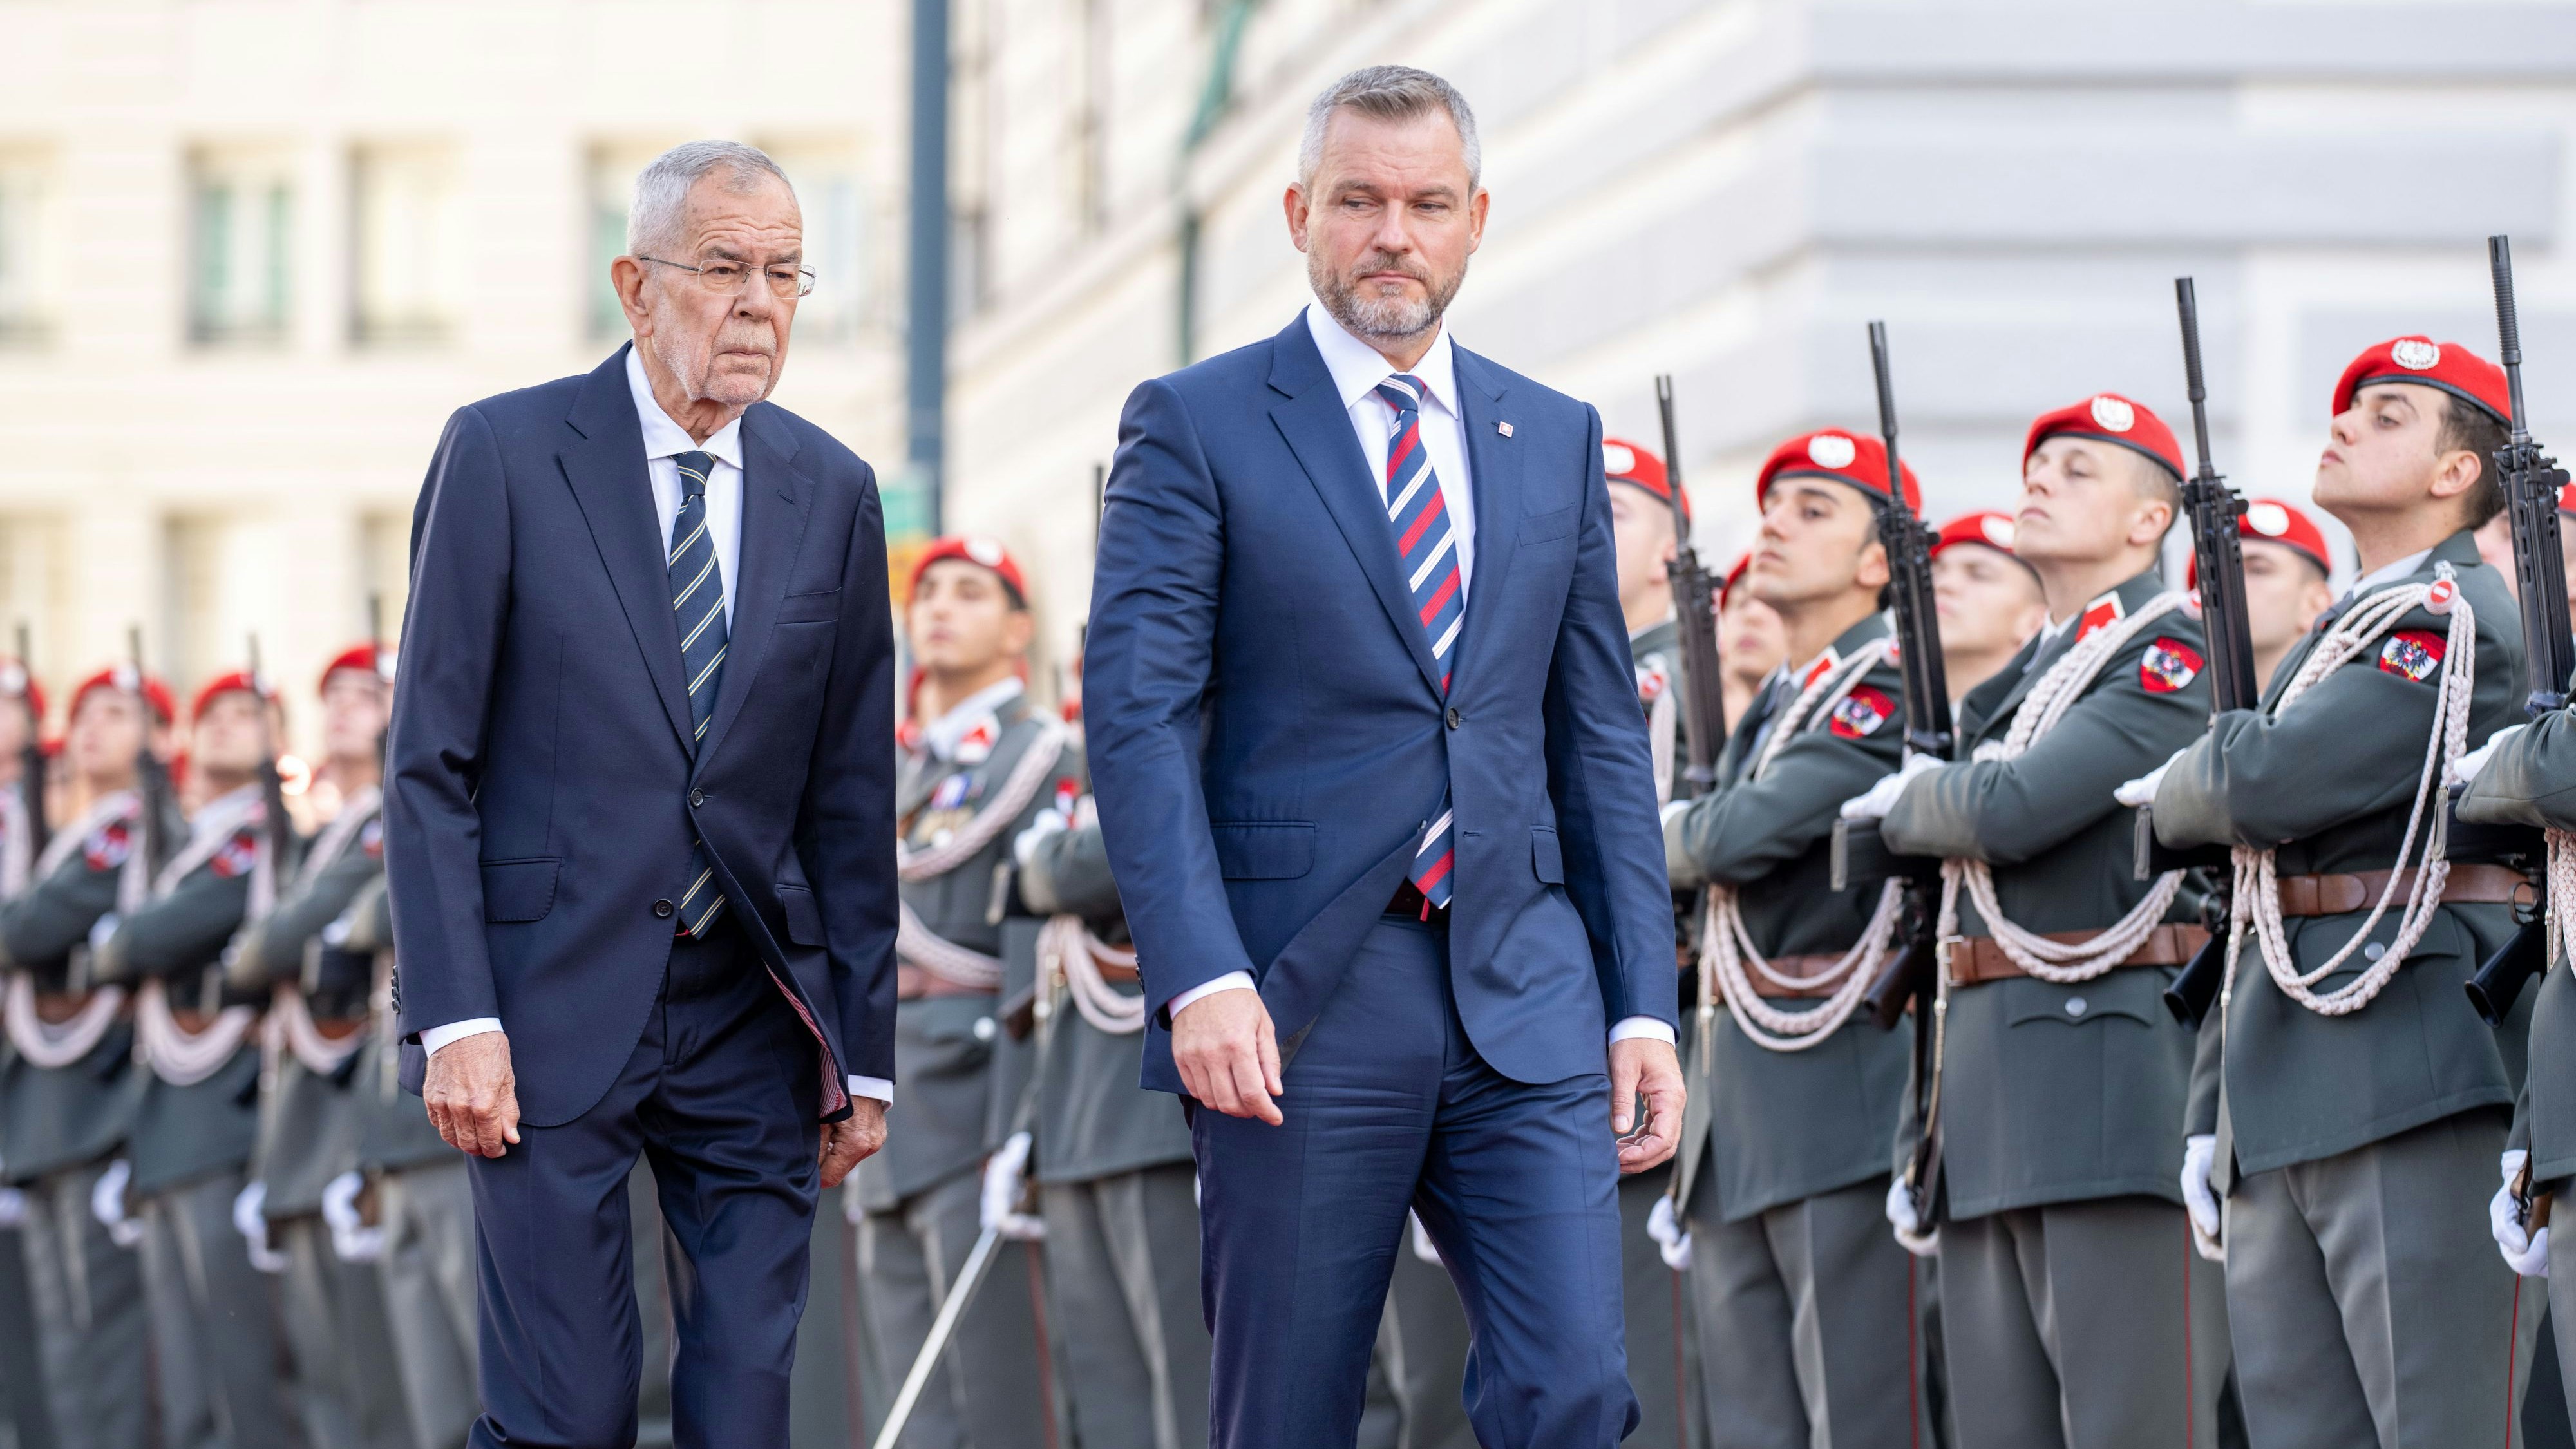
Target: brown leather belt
{"type": "Point", "coordinates": [911, 983]}
{"type": "Point", "coordinates": [1975, 960]}
{"type": "Point", "coordinates": [2341, 895]}
{"type": "Point", "coordinates": [191, 1020]}
{"type": "Point", "coordinates": [1795, 967]}
{"type": "Point", "coordinates": [53, 1008]}
{"type": "Point", "coordinates": [1118, 971]}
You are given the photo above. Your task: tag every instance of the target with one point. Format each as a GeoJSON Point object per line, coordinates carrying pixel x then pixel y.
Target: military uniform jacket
{"type": "Point", "coordinates": [940, 1123]}
{"type": "Point", "coordinates": [1093, 1118]}
{"type": "Point", "coordinates": [2531, 780]}
{"type": "Point", "coordinates": [2062, 1093]}
{"type": "Point", "coordinates": [2330, 783]}
{"type": "Point", "coordinates": [1658, 656]}
{"type": "Point", "coordinates": [1777, 1127]}
{"type": "Point", "coordinates": [67, 1116]}
{"type": "Point", "coordinates": [183, 1133]}
{"type": "Point", "coordinates": [396, 1133]}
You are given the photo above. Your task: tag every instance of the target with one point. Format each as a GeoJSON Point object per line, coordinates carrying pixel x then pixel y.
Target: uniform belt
{"type": "Point", "coordinates": [53, 1008]}
{"type": "Point", "coordinates": [1118, 971]}
{"type": "Point", "coordinates": [1978, 959]}
{"type": "Point", "coordinates": [2341, 895]}
{"type": "Point", "coordinates": [1795, 967]}
{"type": "Point", "coordinates": [911, 983]}
{"type": "Point", "coordinates": [193, 1021]}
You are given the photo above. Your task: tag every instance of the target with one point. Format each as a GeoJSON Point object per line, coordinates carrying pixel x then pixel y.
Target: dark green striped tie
{"type": "Point", "coordinates": [697, 603]}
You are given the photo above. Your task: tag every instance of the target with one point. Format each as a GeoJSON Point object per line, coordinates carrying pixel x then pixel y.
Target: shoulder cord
{"type": "Point", "coordinates": [2059, 962]}
{"type": "Point", "coordinates": [1663, 738]}
{"type": "Point", "coordinates": [1726, 947]}
{"type": "Point", "coordinates": [2561, 900]}
{"type": "Point", "coordinates": [1021, 787]}
{"type": "Point", "coordinates": [289, 1028]}
{"type": "Point", "coordinates": [915, 942]}
{"type": "Point", "coordinates": [2258, 890]}
{"type": "Point", "coordinates": [1069, 952]}
{"type": "Point", "coordinates": [175, 1056]}
{"type": "Point", "coordinates": [55, 1046]}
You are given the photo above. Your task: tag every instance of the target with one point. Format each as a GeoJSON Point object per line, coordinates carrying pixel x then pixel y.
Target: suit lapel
{"type": "Point", "coordinates": [775, 501]}
{"type": "Point", "coordinates": [1494, 477]}
{"type": "Point", "coordinates": [1318, 430]}
{"type": "Point", "coordinates": [605, 468]}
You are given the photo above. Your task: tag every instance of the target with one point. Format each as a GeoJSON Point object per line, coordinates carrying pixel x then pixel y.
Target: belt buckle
{"type": "Point", "coordinates": [1942, 948]}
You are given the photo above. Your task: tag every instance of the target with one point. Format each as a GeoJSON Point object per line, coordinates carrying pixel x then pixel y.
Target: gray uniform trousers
{"type": "Point", "coordinates": [427, 1213]}
{"type": "Point", "coordinates": [1658, 1321]}
{"type": "Point", "coordinates": [985, 1392]}
{"type": "Point", "coordinates": [24, 1420]}
{"type": "Point", "coordinates": [2368, 1303]}
{"type": "Point", "coordinates": [2068, 1327]}
{"type": "Point", "coordinates": [214, 1345]}
{"type": "Point", "coordinates": [1804, 1321]}
{"type": "Point", "coordinates": [1122, 1257]}
{"type": "Point", "coordinates": [348, 1387]}
{"type": "Point", "coordinates": [88, 1296]}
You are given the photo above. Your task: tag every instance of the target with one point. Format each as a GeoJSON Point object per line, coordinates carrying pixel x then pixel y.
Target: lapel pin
{"type": "Point", "coordinates": [1503, 428]}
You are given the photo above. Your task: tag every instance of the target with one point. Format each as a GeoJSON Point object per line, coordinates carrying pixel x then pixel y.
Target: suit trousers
{"type": "Point", "coordinates": [984, 1394]}
{"type": "Point", "coordinates": [1389, 1106]}
{"type": "Point", "coordinates": [214, 1336]}
{"type": "Point", "coordinates": [347, 1388]}
{"type": "Point", "coordinates": [2365, 1296]}
{"type": "Point", "coordinates": [89, 1316]}
{"type": "Point", "coordinates": [1131, 1341]}
{"type": "Point", "coordinates": [1805, 1324]}
{"type": "Point", "coordinates": [2082, 1325]}
{"type": "Point", "coordinates": [427, 1213]}
{"type": "Point", "coordinates": [721, 1093]}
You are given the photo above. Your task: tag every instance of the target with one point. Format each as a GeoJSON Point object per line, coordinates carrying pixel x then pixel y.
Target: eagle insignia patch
{"type": "Point", "coordinates": [371, 838]}
{"type": "Point", "coordinates": [1651, 683]}
{"type": "Point", "coordinates": [2414, 653]}
{"type": "Point", "coordinates": [237, 857]}
{"type": "Point", "coordinates": [976, 745]}
{"type": "Point", "coordinates": [1860, 714]}
{"type": "Point", "coordinates": [2168, 665]}
{"type": "Point", "coordinates": [108, 846]}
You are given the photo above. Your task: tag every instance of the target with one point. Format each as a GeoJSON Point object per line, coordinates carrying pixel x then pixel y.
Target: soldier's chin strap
{"type": "Point", "coordinates": [2258, 891]}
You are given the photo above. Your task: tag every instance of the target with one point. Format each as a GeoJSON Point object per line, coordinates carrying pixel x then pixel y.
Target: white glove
{"type": "Point", "coordinates": [851, 1211]}
{"type": "Point", "coordinates": [100, 929]}
{"type": "Point", "coordinates": [1882, 796]}
{"type": "Point", "coordinates": [2466, 768]}
{"type": "Point", "coordinates": [107, 1204]}
{"type": "Point", "coordinates": [1423, 1248]}
{"type": "Point", "coordinates": [1908, 1225]}
{"type": "Point", "coordinates": [2139, 793]}
{"type": "Point", "coordinates": [1002, 1176]}
{"type": "Point", "coordinates": [13, 1208]}
{"type": "Point", "coordinates": [2525, 1251]}
{"type": "Point", "coordinates": [2199, 1155]}
{"type": "Point", "coordinates": [1025, 846]}
{"type": "Point", "coordinates": [1671, 1238]}
{"type": "Point", "coordinates": [252, 1224]}
{"type": "Point", "coordinates": [352, 1241]}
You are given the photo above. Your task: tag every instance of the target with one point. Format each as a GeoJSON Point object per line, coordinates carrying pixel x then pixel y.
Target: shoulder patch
{"type": "Point", "coordinates": [238, 855]}
{"type": "Point", "coordinates": [1651, 680]}
{"type": "Point", "coordinates": [371, 838]}
{"type": "Point", "coordinates": [108, 846]}
{"type": "Point", "coordinates": [2168, 665]}
{"type": "Point", "coordinates": [2414, 653]}
{"type": "Point", "coordinates": [1860, 713]}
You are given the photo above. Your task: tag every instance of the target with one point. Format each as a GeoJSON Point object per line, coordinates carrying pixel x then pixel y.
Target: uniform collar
{"type": "Point", "coordinates": [942, 736]}
{"type": "Point", "coordinates": [2388, 573]}
{"type": "Point", "coordinates": [1358, 368]}
{"type": "Point", "coordinates": [664, 438]}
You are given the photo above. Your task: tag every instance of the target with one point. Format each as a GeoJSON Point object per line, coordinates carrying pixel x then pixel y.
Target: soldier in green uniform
{"type": "Point", "coordinates": [1803, 1301]}
{"type": "Point", "coordinates": [2345, 1112]}
{"type": "Point", "coordinates": [1989, 601]}
{"type": "Point", "coordinates": [22, 770]}
{"type": "Point", "coordinates": [313, 1110]}
{"type": "Point", "coordinates": [214, 1347]}
{"type": "Point", "coordinates": [72, 1088]}
{"type": "Point", "coordinates": [2287, 568]}
{"type": "Point", "coordinates": [980, 764]}
{"type": "Point", "coordinates": [1750, 648]}
{"type": "Point", "coordinates": [2073, 1316]}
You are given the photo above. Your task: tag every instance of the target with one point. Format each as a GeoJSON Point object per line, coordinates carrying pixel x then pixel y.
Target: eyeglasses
{"type": "Point", "coordinates": [728, 278]}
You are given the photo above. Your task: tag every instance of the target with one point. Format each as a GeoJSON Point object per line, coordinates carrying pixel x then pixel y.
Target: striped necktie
{"type": "Point", "coordinates": [1427, 547]}
{"type": "Point", "coordinates": [697, 603]}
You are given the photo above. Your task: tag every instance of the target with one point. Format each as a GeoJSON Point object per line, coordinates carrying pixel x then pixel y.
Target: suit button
{"type": "Point", "coordinates": [2076, 1006]}
{"type": "Point", "coordinates": [663, 909]}
{"type": "Point", "coordinates": [697, 798]}
{"type": "Point", "coordinates": [1454, 721]}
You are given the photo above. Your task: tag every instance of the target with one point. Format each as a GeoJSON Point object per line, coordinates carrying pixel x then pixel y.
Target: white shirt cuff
{"type": "Point", "coordinates": [1645, 1026]}
{"type": "Point", "coordinates": [439, 1036]}
{"type": "Point", "coordinates": [877, 1087]}
{"type": "Point", "coordinates": [1230, 981]}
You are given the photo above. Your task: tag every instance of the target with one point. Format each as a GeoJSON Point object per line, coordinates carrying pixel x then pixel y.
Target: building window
{"type": "Point", "coordinates": [384, 571]}
{"type": "Point", "coordinates": [26, 244]}
{"type": "Point", "coordinates": [609, 191]}
{"type": "Point", "coordinates": [242, 217]}
{"type": "Point", "coordinates": [409, 246]}
{"type": "Point", "coordinates": [37, 606]}
{"type": "Point", "coordinates": [835, 204]}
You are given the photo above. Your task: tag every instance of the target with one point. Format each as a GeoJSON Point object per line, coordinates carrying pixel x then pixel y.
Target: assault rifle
{"type": "Point", "coordinates": [151, 774]}
{"type": "Point", "coordinates": [272, 786]}
{"type": "Point", "coordinates": [1703, 701]}
{"type": "Point", "coordinates": [2531, 484]}
{"type": "Point", "coordinates": [31, 756]}
{"type": "Point", "coordinates": [2218, 565]}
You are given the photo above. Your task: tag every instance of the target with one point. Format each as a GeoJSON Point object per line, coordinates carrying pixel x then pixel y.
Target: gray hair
{"type": "Point", "coordinates": [660, 209]}
{"type": "Point", "coordinates": [1389, 93]}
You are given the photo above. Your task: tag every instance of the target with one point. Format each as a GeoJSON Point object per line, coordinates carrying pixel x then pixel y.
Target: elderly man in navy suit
{"type": "Point", "coordinates": [640, 827]}
{"type": "Point", "coordinates": [1375, 785]}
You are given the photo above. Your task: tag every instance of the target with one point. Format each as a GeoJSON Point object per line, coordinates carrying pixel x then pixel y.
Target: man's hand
{"type": "Point", "coordinates": [853, 1139]}
{"type": "Point", "coordinates": [1229, 1056]}
{"type": "Point", "coordinates": [1644, 1065]}
{"type": "Point", "coordinates": [472, 1094]}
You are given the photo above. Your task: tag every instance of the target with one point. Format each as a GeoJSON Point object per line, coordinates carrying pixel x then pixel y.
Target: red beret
{"type": "Point", "coordinates": [1625, 462]}
{"type": "Point", "coordinates": [239, 681]}
{"type": "Point", "coordinates": [121, 677]}
{"type": "Point", "coordinates": [1735, 575]}
{"type": "Point", "coordinates": [1994, 530]}
{"type": "Point", "coordinates": [15, 681]}
{"type": "Point", "coordinates": [2567, 498]}
{"type": "Point", "coordinates": [367, 658]}
{"type": "Point", "coordinates": [985, 552]}
{"type": "Point", "coordinates": [2446, 365]}
{"type": "Point", "coordinates": [2112, 419]}
{"type": "Point", "coordinates": [2272, 520]}
{"type": "Point", "coordinates": [1855, 459]}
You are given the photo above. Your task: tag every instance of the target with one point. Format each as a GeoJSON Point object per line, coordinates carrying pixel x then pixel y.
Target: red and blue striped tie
{"type": "Point", "coordinates": [1427, 547]}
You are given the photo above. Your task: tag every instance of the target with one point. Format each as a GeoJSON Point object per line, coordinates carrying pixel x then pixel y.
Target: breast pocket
{"type": "Point", "coordinates": [815, 608]}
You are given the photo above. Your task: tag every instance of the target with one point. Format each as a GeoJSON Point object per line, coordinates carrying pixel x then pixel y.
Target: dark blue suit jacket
{"type": "Point", "coordinates": [540, 793]}
{"type": "Point", "coordinates": [1268, 739]}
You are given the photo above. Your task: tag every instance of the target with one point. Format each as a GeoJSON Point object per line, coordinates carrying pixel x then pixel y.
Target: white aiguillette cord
{"type": "Point", "coordinates": [1068, 951]}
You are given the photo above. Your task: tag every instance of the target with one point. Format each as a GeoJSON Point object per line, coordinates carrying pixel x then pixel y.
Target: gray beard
{"type": "Point", "coordinates": [1380, 319]}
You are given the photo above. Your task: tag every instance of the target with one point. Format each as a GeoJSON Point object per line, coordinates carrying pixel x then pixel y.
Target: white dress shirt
{"type": "Point", "coordinates": [664, 440]}
{"type": "Point", "coordinates": [1357, 369]}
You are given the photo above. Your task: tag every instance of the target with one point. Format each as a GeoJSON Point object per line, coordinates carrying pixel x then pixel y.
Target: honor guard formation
{"type": "Point", "coordinates": [2107, 985]}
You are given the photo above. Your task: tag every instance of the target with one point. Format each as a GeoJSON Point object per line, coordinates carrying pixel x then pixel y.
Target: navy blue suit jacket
{"type": "Point", "coordinates": [540, 793]}
{"type": "Point", "coordinates": [1268, 738]}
